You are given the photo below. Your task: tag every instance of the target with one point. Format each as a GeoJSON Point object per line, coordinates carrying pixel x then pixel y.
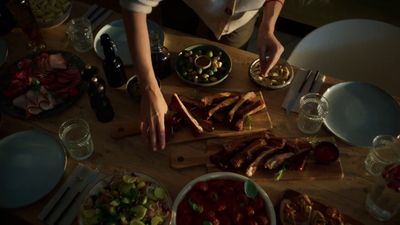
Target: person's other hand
{"type": "Point", "coordinates": [153, 109]}
{"type": "Point", "coordinates": [268, 46]}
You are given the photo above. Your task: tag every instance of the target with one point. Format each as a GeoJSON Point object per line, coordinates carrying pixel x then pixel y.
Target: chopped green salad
{"type": "Point", "coordinates": [127, 200]}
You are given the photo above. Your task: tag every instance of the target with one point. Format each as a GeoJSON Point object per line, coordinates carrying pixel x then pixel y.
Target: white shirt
{"type": "Point", "coordinates": [221, 16]}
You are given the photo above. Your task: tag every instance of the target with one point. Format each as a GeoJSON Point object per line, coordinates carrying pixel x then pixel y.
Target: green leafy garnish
{"type": "Point", "coordinates": [248, 122]}
{"type": "Point", "coordinates": [279, 174]}
{"type": "Point", "coordinates": [250, 189]}
{"type": "Point", "coordinates": [195, 207]}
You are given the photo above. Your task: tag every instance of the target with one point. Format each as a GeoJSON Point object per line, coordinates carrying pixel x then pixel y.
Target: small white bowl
{"type": "Point", "coordinates": [228, 176]}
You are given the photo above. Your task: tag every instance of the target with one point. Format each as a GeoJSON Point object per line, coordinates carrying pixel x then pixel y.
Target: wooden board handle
{"type": "Point", "coordinates": [123, 130]}
{"type": "Point", "coordinates": [184, 158]}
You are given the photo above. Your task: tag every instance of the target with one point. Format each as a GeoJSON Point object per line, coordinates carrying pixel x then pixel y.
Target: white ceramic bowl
{"type": "Point", "coordinates": [254, 74]}
{"type": "Point", "coordinates": [105, 181]}
{"type": "Point", "coordinates": [229, 176]}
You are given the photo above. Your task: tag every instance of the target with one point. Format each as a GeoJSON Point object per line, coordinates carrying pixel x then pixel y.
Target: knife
{"type": "Point", "coordinates": [295, 98]}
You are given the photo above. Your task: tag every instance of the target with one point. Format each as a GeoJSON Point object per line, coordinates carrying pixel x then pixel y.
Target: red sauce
{"type": "Point", "coordinates": [221, 202]}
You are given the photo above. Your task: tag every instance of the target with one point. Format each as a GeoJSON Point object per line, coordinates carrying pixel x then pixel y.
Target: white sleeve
{"type": "Point", "coordinates": [144, 6]}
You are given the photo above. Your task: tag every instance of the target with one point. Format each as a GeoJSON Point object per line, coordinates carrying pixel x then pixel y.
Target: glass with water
{"type": "Point", "coordinates": [383, 163]}
{"type": "Point", "coordinates": [76, 137]}
{"type": "Point", "coordinates": [313, 110]}
{"type": "Point", "coordinates": [79, 32]}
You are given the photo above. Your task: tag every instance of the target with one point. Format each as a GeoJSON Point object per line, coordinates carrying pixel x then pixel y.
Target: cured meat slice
{"type": "Point", "coordinates": [21, 102]}
{"type": "Point", "coordinates": [46, 100]}
{"type": "Point", "coordinates": [57, 61]}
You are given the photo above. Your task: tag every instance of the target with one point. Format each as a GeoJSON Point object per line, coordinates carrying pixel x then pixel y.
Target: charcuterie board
{"type": "Point", "coordinates": [41, 84]}
{"type": "Point", "coordinates": [181, 157]}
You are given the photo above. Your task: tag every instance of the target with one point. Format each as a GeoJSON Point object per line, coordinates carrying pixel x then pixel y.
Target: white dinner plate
{"type": "Point", "coordinates": [116, 30]}
{"type": "Point", "coordinates": [360, 111]}
{"type": "Point", "coordinates": [32, 162]}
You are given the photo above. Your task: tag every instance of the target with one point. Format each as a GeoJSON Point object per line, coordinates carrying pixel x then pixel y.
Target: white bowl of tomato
{"type": "Point", "coordinates": [223, 198]}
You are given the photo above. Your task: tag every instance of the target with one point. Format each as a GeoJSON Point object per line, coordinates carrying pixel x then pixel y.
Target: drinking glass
{"type": "Point", "coordinates": [313, 110]}
{"type": "Point", "coordinates": [79, 32]}
{"type": "Point", "coordinates": [385, 151]}
{"type": "Point", "coordinates": [75, 136]}
{"type": "Point", "coordinates": [383, 197]}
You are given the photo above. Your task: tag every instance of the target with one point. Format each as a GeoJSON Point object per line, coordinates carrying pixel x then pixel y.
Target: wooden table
{"type": "Point", "coordinates": [131, 154]}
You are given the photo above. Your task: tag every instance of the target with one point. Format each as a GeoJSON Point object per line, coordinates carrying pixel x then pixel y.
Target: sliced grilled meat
{"type": "Point", "coordinates": [225, 103]}
{"type": "Point", "coordinates": [246, 154]}
{"type": "Point", "coordinates": [256, 107]}
{"type": "Point", "coordinates": [274, 145]}
{"type": "Point", "coordinates": [210, 99]}
{"type": "Point", "coordinates": [243, 98]}
{"type": "Point", "coordinates": [243, 141]}
{"type": "Point", "coordinates": [181, 109]}
{"type": "Point", "coordinates": [190, 102]}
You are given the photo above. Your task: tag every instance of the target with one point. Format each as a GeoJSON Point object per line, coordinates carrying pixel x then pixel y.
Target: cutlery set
{"type": "Point", "coordinates": [96, 15]}
{"type": "Point", "coordinates": [64, 206]}
{"type": "Point", "coordinates": [304, 82]}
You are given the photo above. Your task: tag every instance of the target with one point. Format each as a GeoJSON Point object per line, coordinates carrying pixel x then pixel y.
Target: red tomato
{"type": "Point", "coordinates": [262, 220]}
{"type": "Point", "coordinates": [201, 186]}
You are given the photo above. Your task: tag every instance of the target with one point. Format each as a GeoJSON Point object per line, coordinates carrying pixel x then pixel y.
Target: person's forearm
{"type": "Point", "coordinates": [271, 13]}
{"type": "Point", "coordinates": [139, 45]}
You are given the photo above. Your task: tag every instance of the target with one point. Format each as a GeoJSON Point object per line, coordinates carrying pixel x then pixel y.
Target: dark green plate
{"type": "Point", "coordinates": [6, 104]}
{"type": "Point", "coordinates": [181, 65]}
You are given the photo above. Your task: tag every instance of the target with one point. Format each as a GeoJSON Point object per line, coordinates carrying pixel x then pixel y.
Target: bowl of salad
{"type": "Point", "coordinates": [132, 198]}
{"type": "Point", "coordinates": [222, 198]}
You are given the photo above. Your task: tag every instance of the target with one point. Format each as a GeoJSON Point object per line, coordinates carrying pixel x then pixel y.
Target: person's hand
{"type": "Point", "coordinates": [153, 109]}
{"type": "Point", "coordinates": [268, 46]}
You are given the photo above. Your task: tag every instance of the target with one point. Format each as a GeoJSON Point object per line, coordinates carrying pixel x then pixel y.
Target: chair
{"type": "Point", "coordinates": [353, 49]}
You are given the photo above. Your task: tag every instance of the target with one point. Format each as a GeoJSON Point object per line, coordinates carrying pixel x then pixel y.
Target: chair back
{"type": "Point", "coordinates": [353, 50]}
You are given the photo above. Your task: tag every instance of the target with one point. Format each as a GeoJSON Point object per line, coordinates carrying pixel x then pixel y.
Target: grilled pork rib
{"type": "Point", "coordinates": [245, 97]}
{"type": "Point", "coordinates": [181, 109]}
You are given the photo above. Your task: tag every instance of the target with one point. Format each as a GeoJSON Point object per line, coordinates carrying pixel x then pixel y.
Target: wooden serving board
{"type": "Point", "coordinates": [189, 157]}
{"type": "Point", "coordinates": [260, 121]}
{"type": "Point", "coordinates": [291, 194]}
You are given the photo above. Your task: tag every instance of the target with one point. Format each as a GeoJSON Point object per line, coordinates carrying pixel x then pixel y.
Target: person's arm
{"type": "Point", "coordinates": [267, 43]}
{"type": "Point", "coordinates": [153, 106]}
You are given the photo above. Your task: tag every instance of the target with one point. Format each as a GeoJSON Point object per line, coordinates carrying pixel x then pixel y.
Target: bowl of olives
{"type": "Point", "coordinates": [203, 65]}
{"type": "Point", "coordinates": [281, 75]}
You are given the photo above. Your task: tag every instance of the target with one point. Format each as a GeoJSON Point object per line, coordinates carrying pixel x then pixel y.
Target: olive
{"type": "Point", "coordinates": [210, 54]}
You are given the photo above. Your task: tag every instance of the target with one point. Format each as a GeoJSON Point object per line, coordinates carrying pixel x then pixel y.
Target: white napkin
{"type": "Point", "coordinates": [297, 82]}
{"type": "Point", "coordinates": [53, 211]}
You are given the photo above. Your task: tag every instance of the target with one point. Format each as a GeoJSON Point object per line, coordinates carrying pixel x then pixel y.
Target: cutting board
{"type": "Point", "coordinates": [291, 194]}
{"type": "Point", "coordinates": [181, 158]}
{"type": "Point", "coordinates": [260, 121]}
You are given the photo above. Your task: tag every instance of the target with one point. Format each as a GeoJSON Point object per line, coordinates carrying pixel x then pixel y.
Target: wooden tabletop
{"type": "Point", "coordinates": [132, 154]}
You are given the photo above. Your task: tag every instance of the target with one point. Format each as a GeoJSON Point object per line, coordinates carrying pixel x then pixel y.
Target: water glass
{"type": "Point", "coordinates": [313, 110]}
{"type": "Point", "coordinates": [385, 151]}
{"type": "Point", "coordinates": [80, 35]}
{"type": "Point", "coordinates": [383, 198]}
{"type": "Point", "coordinates": [76, 137]}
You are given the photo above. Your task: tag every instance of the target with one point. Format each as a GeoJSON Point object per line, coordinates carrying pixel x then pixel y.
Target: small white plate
{"type": "Point", "coordinates": [359, 111]}
{"type": "Point", "coordinates": [32, 162]}
{"type": "Point", "coordinates": [116, 30]}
